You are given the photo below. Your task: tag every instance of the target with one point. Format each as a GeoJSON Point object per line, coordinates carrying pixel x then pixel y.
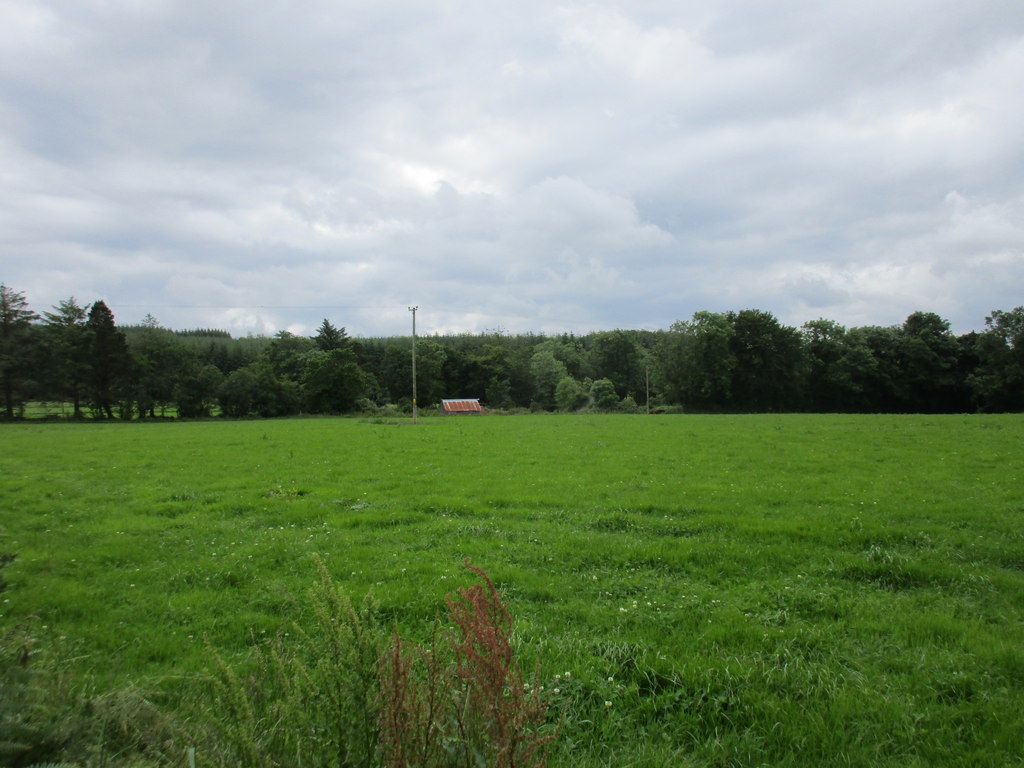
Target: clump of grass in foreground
{"type": "Point", "coordinates": [310, 697]}
{"type": "Point", "coordinates": [339, 694]}
{"type": "Point", "coordinates": [48, 713]}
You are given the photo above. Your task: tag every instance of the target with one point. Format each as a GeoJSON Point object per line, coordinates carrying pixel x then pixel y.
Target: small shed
{"type": "Point", "coordinates": [461, 407]}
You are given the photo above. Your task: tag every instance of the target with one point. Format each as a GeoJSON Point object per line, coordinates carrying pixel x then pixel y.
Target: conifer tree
{"type": "Point", "coordinates": [329, 338]}
{"type": "Point", "coordinates": [15, 358]}
{"type": "Point", "coordinates": [67, 352]}
{"type": "Point", "coordinates": [109, 358]}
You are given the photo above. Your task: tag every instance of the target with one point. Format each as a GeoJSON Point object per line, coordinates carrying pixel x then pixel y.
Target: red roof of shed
{"type": "Point", "coordinates": [461, 406]}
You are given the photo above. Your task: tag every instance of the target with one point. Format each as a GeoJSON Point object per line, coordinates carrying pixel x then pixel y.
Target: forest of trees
{"type": "Point", "coordinates": [744, 361]}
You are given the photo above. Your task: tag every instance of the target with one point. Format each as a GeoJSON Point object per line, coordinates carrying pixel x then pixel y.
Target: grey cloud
{"type": "Point", "coordinates": [530, 166]}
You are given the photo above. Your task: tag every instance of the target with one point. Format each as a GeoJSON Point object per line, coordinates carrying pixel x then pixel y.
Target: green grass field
{"type": "Point", "coordinates": [696, 590]}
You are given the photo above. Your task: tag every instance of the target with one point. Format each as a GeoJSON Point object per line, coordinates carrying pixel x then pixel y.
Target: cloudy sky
{"type": "Point", "coordinates": [533, 165]}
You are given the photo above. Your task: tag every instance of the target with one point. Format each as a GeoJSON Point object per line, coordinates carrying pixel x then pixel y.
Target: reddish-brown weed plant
{"type": "Point", "coordinates": [471, 707]}
{"type": "Point", "coordinates": [416, 693]}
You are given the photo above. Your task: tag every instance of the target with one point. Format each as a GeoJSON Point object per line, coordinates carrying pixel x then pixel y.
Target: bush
{"type": "Point", "coordinates": [602, 392]}
{"type": "Point", "coordinates": [628, 405]}
{"type": "Point", "coordinates": [569, 395]}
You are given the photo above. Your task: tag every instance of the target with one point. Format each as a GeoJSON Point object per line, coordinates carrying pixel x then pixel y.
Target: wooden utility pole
{"type": "Point", "coordinates": [647, 384]}
{"type": "Point", "coordinates": [414, 411]}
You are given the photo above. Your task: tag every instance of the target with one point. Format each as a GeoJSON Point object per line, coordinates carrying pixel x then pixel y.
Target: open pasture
{"type": "Point", "coordinates": [695, 590]}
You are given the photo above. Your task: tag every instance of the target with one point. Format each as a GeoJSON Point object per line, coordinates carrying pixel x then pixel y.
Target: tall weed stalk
{"type": "Point", "coordinates": [417, 690]}
{"type": "Point", "coordinates": [466, 704]}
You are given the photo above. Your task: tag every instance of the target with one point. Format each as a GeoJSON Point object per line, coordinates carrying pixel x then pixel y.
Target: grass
{"type": "Point", "coordinates": [721, 590]}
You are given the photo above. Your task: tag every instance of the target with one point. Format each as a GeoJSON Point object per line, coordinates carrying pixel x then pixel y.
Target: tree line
{"type": "Point", "coordinates": [745, 361]}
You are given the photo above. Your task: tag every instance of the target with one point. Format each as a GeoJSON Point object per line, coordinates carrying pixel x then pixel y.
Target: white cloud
{"type": "Point", "coordinates": [659, 57]}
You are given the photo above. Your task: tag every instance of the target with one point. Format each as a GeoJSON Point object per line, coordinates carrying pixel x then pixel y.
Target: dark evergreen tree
{"type": "Point", "coordinates": [16, 359]}
{"type": "Point", "coordinates": [396, 372]}
{"type": "Point", "coordinates": [109, 360]}
{"type": "Point", "coordinates": [67, 353]}
{"type": "Point", "coordinates": [457, 371]}
{"type": "Point", "coordinates": [483, 374]}
{"type": "Point", "coordinates": [520, 377]}
{"type": "Point", "coordinates": [329, 338]}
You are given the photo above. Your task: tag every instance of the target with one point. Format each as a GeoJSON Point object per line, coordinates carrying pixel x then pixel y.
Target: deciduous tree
{"type": "Point", "coordinates": [997, 383]}
{"type": "Point", "coordinates": [769, 362]}
{"type": "Point", "coordinates": [547, 371]}
{"type": "Point", "coordinates": [196, 390]}
{"type": "Point", "coordinates": [617, 356]}
{"type": "Point", "coordinates": [332, 382]}
{"type": "Point", "coordinates": [569, 395]}
{"type": "Point", "coordinates": [697, 361]}
{"type": "Point", "coordinates": [158, 363]}
{"type": "Point", "coordinates": [836, 367]}
{"type": "Point", "coordinates": [285, 353]}
{"type": "Point", "coordinates": [237, 393]}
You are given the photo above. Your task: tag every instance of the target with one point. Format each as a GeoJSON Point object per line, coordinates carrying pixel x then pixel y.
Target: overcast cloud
{"type": "Point", "coordinates": [259, 166]}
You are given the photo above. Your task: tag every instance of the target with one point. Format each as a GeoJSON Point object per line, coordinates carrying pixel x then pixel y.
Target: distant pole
{"type": "Point", "coordinates": [414, 412]}
{"type": "Point", "coordinates": [647, 383]}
